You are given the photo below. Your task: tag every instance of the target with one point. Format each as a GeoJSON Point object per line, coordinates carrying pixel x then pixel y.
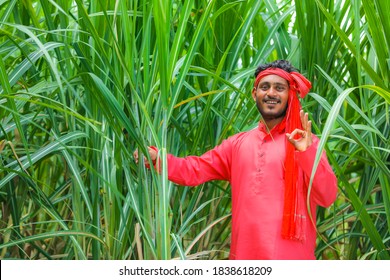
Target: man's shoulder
{"type": "Point", "coordinates": [240, 135]}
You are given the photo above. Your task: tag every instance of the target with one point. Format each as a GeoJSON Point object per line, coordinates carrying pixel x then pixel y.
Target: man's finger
{"type": "Point", "coordinates": [296, 131]}
{"type": "Point", "coordinates": [304, 119]}
{"type": "Point", "coordinates": [308, 130]}
{"type": "Point", "coordinates": [135, 155]}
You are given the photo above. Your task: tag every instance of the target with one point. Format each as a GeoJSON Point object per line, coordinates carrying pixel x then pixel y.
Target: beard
{"type": "Point", "coordinates": [270, 115]}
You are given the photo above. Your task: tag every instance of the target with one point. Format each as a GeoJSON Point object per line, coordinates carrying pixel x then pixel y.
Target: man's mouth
{"type": "Point", "coordinates": [271, 101]}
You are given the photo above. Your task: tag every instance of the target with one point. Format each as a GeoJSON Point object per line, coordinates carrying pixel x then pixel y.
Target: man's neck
{"type": "Point", "coordinates": [271, 123]}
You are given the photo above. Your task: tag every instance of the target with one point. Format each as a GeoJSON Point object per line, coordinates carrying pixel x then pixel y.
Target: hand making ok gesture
{"type": "Point", "coordinates": [305, 141]}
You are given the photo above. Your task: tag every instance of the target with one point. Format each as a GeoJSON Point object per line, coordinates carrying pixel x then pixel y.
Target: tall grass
{"type": "Point", "coordinates": [85, 83]}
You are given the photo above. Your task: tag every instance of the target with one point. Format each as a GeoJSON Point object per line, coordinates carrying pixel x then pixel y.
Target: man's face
{"type": "Point", "coordinates": [271, 97]}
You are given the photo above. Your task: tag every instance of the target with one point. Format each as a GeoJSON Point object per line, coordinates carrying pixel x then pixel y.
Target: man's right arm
{"type": "Point", "coordinates": [195, 170]}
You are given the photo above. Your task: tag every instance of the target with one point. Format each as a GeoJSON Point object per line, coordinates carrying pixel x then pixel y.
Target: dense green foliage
{"type": "Point", "coordinates": [85, 83]}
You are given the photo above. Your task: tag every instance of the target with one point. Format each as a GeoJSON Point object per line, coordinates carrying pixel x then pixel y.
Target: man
{"type": "Point", "coordinates": [269, 170]}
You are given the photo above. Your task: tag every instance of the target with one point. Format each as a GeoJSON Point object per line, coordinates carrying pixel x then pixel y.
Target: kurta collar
{"type": "Point", "coordinates": [279, 128]}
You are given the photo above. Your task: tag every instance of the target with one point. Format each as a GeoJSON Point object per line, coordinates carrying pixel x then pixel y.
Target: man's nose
{"type": "Point", "coordinates": [272, 91]}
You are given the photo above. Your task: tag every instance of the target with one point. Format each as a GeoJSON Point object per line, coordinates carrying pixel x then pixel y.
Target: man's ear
{"type": "Point", "coordinates": [254, 93]}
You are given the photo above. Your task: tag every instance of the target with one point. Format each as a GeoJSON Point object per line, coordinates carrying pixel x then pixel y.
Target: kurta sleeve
{"type": "Point", "coordinates": [195, 170]}
{"type": "Point", "coordinates": [324, 188]}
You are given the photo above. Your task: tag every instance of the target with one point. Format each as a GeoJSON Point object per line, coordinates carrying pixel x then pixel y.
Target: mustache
{"type": "Point", "coordinates": [271, 99]}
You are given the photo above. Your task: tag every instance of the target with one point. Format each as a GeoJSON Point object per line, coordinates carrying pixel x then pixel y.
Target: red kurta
{"type": "Point", "coordinates": [253, 164]}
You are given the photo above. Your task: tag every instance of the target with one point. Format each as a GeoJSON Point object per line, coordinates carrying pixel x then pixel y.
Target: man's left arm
{"type": "Point", "coordinates": [324, 187]}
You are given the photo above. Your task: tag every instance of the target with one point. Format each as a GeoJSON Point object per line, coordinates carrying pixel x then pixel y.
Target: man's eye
{"type": "Point", "coordinates": [280, 88]}
{"type": "Point", "coordinates": [264, 87]}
